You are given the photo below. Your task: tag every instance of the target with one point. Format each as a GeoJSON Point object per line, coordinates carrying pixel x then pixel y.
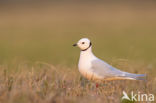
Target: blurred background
{"type": "Point", "coordinates": [42, 30]}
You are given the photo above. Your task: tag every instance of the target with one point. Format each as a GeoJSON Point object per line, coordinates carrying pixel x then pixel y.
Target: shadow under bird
{"type": "Point", "coordinates": [94, 68]}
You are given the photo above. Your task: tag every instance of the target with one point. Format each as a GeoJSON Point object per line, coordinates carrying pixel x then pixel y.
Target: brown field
{"type": "Point", "coordinates": [25, 82]}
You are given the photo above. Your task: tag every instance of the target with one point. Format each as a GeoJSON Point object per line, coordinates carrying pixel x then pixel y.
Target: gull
{"type": "Point", "coordinates": [96, 69]}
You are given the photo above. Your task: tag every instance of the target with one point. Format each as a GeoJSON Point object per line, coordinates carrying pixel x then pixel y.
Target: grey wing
{"type": "Point", "coordinates": [105, 70]}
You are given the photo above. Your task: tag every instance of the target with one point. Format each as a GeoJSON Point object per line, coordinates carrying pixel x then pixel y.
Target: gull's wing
{"type": "Point", "coordinates": [105, 70]}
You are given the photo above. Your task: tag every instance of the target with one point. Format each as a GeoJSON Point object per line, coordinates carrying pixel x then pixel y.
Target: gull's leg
{"type": "Point", "coordinates": [97, 85]}
{"type": "Point", "coordinates": [83, 81]}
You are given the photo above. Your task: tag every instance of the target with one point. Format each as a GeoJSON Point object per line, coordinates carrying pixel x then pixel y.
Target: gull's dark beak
{"type": "Point", "coordinates": [74, 44]}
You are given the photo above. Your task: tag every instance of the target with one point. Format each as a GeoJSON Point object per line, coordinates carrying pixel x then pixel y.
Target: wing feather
{"type": "Point", "coordinates": [105, 70]}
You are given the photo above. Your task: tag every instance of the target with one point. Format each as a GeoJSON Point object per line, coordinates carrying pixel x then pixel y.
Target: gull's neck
{"type": "Point", "coordinates": [86, 57]}
{"type": "Point", "coordinates": [87, 53]}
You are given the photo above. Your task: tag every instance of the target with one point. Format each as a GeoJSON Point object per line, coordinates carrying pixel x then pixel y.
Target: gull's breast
{"type": "Point", "coordinates": [90, 74]}
{"type": "Point", "coordinates": [85, 65]}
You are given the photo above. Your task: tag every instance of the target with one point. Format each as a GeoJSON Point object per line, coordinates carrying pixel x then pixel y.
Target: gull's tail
{"type": "Point", "coordinates": [136, 76]}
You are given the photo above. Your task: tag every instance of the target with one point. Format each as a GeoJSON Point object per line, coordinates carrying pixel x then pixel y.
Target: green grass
{"type": "Point", "coordinates": [48, 32]}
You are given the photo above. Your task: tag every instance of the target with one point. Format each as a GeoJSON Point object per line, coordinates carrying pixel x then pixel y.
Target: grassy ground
{"type": "Point", "coordinates": [39, 64]}
{"type": "Point", "coordinates": [44, 83]}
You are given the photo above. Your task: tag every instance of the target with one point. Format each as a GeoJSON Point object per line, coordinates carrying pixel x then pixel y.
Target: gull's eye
{"type": "Point", "coordinates": [83, 42]}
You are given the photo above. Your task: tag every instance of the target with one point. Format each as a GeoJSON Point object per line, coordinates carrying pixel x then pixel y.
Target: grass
{"type": "Point", "coordinates": [27, 82]}
{"type": "Point", "coordinates": [39, 65]}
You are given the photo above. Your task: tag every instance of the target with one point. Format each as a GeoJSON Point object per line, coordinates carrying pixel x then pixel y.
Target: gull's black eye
{"type": "Point", "coordinates": [83, 42]}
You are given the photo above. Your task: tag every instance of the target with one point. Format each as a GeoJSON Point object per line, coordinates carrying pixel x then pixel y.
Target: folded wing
{"type": "Point", "coordinates": [105, 70]}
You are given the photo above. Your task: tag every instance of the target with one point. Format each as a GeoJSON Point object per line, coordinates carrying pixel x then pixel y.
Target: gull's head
{"type": "Point", "coordinates": [83, 44]}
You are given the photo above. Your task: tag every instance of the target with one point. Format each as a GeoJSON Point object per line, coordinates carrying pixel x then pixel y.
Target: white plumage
{"type": "Point", "coordinates": [94, 68]}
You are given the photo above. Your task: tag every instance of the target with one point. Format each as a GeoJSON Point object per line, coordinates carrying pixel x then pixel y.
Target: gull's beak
{"type": "Point", "coordinates": [74, 44]}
